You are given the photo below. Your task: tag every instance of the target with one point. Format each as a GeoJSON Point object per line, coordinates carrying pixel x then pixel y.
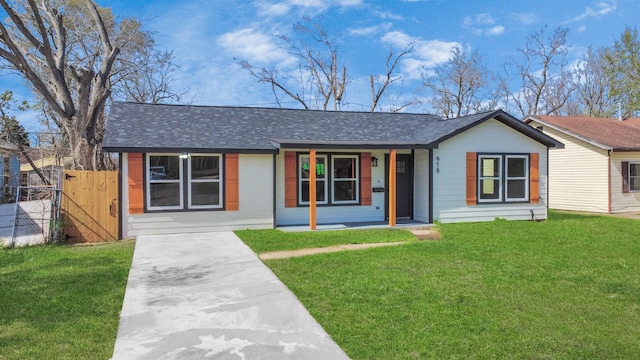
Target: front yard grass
{"type": "Point", "coordinates": [276, 240]}
{"type": "Point", "coordinates": [565, 288]}
{"type": "Point", "coordinates": [61, 302]}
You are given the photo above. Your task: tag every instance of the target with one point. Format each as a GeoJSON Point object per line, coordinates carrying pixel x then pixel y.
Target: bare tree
{"type": "Point", "coordinates": [456, 86]}
{"type": "Point", "coordinates": [542, 76]}
{"type": "Point", "coordinates": [380, 83]}
{"type": "Point", "coordinates": [322, 78]}
{"type": "Point", "coordinates": [150, 79]}
{"type": "Point", "coordinates": [592, 94]}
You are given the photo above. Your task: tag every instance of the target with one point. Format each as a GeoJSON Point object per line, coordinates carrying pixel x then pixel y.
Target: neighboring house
{"type": "Point", "coordinates": [599, 169]}
{"type": "Point", "coordinates": [201, 168]}
{"type": "Point", "coordinates": [9, 168]}
{"type": "Point", "coordinates": [50, 166]}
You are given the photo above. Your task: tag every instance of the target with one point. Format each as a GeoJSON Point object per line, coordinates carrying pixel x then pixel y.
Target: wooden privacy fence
{"type": "Point", "coordinates": [90, 205]}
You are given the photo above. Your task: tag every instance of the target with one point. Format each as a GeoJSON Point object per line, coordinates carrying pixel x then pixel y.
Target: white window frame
{"type": "Point", "coordinates": [335, 180]}
{"type": "Point", "coordinates": [190, 181]}
{"type": "Point", "coordinates": [149, 181]}
{"type": "Point", "coordinates": [631, 189]}
{"type": "Point", "coordinates": [499, 178]}
{"type": "Point", "coordinates": [325, 179]}
{"type": "Point", "coordinates": [507, 178]}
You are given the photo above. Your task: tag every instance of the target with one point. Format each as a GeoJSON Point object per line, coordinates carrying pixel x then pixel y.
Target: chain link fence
{"type": "Point", "coordinates": [36, 216]}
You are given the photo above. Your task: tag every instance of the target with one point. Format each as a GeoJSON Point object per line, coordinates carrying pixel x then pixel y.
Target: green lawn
{"type": "Point", "coordinates": [566, 288]}
{"type": "Point", "coordinates": [61, 302]}
{"type": "Point", "coordinates": [275, 240]}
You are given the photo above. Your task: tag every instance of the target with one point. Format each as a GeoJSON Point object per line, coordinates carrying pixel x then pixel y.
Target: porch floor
{"type": "Point", "coordinates": [404, 223]}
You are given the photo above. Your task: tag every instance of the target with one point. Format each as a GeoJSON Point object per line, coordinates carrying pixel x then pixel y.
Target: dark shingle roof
{"type": "Point", "coordinates": [151, 127]}
{"type": "Point", "coordinates": [609, 134]}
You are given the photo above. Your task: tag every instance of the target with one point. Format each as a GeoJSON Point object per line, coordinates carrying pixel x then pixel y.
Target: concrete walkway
{"type": "Point", "coordinates": [197, 296]}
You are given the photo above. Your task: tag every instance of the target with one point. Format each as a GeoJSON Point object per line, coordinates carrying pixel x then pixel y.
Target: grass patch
{"type": "Point", "coordinates": [565, 288]}
{"type": "Point", "coordinates": [276, 240]}
{"type": "Point", "coordinates": [61, 302]}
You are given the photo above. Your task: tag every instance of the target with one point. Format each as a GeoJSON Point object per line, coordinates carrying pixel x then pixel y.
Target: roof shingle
{"type": "Point", "coordinates": [610, 134]}
{"type": "Point", "coordinates": [150, 127]}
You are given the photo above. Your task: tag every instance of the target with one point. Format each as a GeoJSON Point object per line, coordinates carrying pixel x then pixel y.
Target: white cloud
{"type": "Point", "coordinates": [252, 45]}
{"type": "Point", "coordinates": [482, 24]}
{"type": "Point", "coordinates": [601, 9]}
{"type": "Point", "coordinates": [370, 29]}
{"type": "Point", "coordinates": [582, 28]}
{"type": "Point", "coordinates": [282, 8]}
{"type": "Point", "coordinates": [387, 15]}
{"type": "Point", "coordinates": [496, 30]}
{"type": "Point", "coordinates": [426, 53]}
{"type": "Point", "coordinates": [525, 18]}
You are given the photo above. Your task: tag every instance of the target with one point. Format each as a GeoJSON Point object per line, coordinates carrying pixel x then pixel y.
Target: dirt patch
{"type": "Point", "coordinates": [424, 233]}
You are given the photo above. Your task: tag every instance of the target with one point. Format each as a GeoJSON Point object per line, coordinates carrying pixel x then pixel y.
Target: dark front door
{"type": "Point", "coordinates": [404, 186]}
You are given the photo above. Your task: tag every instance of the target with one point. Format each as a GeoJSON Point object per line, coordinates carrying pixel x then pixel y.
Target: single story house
{"type": "Point", "coordinates": [203, 168]}
{"type": "Point", "coordinates": [599, 169]}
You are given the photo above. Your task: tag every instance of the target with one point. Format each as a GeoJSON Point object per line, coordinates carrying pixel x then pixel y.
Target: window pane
{"type": "Point", "coordinates": [164, 194]}
{"type": "Point", "coordinates": [490, 167]}
{"type": "Point", "coordinates": [205, 167]}
{"type": "Point", "coordinates": [634, 184]}
{"type": "Point", "coordinates": [516, 167]}
{"type": "Point", "coordinates": [516, 189]}
{"type": "Point", "coordinates": [164, 167]}
{"type": "Point", "coordinates": [489, 189]}
{"type": "Point", "coordinates": [205, 193]}
{"type": "Point", "coordinates": [304, 185]}
{"type": "Point", "coordinates": [344, 168]}
{"type": "Point", "coordinates": [344, 190]}
{"type": "Point", "coordinates": [320, 167]}
{"type": "Point", "coordinates": [634, 169]}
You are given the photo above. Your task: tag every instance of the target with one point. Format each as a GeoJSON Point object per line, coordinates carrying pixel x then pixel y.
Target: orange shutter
{"type": "Point", "coordinates": [534, 178]}
{"type": "Point", "coordinates": [365, 178]}
{"type": "Point", "coordinates": [231, 185]}
{"type": "Point", "coordinates": [472, 178]}
{"type": "Point", "coordinates": [136, 183]}
{"type": "Point", "coordinates": [290, 179]}
{"type": "Point", "coordinates": [625, 177]}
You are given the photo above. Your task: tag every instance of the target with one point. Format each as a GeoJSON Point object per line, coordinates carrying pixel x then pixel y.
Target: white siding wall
{"type": "Point", "coordinates": [629, 202]}
{"type": "Point", "coordinates": [421, 186]}
{"type": "Point", "coordinates": [337, 213]}
{"type": "Point", "coordinates": [450, 183]}
{"type": "Point", "coordinates": [578, 175]}
{"type": "Point", "coordinates": [256, 206]}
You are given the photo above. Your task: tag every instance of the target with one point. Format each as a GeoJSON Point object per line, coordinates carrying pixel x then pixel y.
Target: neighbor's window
{"type": "Point", "coordinates": [344, 182]}
{"type": "Point", "coordinates": [503, 183]}
{"type": "Point", "coordinates": [634, 176]}
{"type": "Point", "coordinates": [170, 178]}
{"type": "Point", "coordinates": [304, 169]}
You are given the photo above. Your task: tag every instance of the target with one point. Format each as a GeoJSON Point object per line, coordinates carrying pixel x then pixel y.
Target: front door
{"type": "Point", "coordinates": [404, 186]}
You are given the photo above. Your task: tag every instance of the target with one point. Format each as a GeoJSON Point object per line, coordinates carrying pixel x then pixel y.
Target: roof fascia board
{"type": "Point", "coordinates": [117, 149]}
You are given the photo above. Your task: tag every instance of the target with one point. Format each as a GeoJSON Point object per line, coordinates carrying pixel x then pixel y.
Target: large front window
{"type": "Point", "coordinates": [176, 182]}
{"type": "Point", "coordinates": [503, 178]}
{"type": "Point", "coordinates": [337, 179]}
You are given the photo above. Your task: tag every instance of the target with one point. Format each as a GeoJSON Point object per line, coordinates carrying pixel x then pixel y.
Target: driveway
{"type": "Point", "coordinates": [207, 295]}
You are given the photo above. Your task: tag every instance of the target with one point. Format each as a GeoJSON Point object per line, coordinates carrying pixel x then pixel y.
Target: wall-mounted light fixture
{"type": "Point", "coordinates": [184, 155]}
{"type": "Point", "coordinates": [374, 161]}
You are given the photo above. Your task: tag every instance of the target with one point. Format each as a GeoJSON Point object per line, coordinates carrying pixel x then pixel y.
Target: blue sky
{"type": "Point", "coordinates": [207, 35]}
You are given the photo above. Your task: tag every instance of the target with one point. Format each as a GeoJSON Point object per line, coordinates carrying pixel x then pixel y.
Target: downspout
{"type": "Point", "coordinates": [609, 181]}
{"type": "Point", "coordinates": [430, 186]}
{"type": "Point", "coordinates": [120, 162]}
{"type": "Point", "coordinates": [275, 159]}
